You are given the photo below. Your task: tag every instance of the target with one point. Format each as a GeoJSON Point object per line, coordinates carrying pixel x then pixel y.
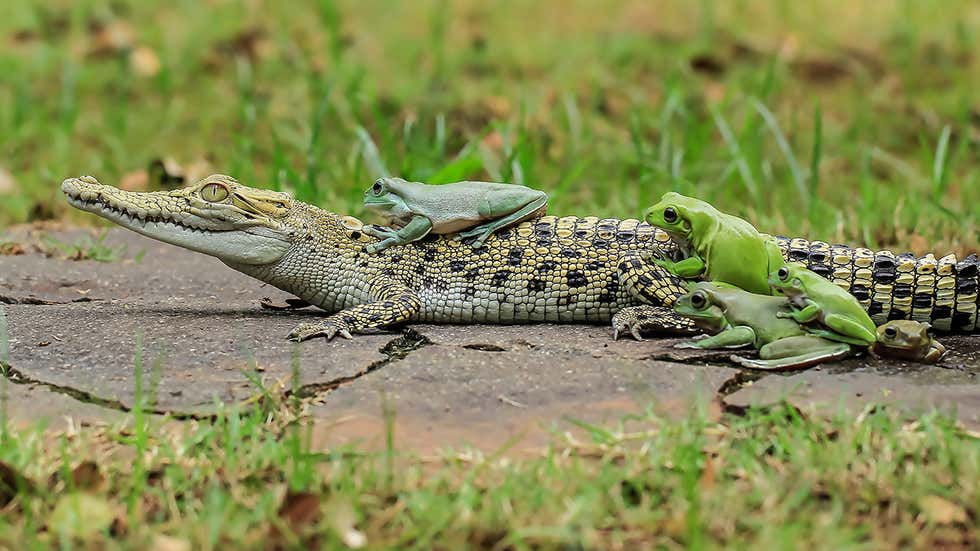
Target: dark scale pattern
{"type": "Point", "coordinates": [942, 292]}
{"type": "Point", "coordinates": [567, 270]}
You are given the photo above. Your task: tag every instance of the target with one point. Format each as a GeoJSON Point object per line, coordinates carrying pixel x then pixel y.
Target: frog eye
{"type": "Point", "coordinates": [783, 273]}
{"type": "Point", "coordinates": [699, 300]}
{"type": "Point", "coordinates": [890, 333]}
{"type": "Point", "coordinates": [214, 193]}
{"type": "Point", "coordinates": [670, 215]}
{"type": "Point", "coordinates": [377, 188]}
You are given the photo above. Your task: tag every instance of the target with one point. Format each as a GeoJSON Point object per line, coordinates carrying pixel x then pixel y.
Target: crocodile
{"type": "Point", "coordinates": [550, 269]}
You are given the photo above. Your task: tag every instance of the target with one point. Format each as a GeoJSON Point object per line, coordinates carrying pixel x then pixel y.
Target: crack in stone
{"type": "Point", "coordinates": [395, 350]}
{"type": "Point", "coordinates": [18, 377]}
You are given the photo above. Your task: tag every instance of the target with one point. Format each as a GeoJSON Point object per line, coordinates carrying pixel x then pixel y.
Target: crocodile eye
{"type": "Point", "coordinates": [699, 300]}
{"type": "Point", "coordinates": [214, 193]}
{"type": "Point", "coordinates": [670, 215]}
{"type": "Point", "coordinates": [783, 273]}
{"type": "Point", "coordinates": [377, 188]}
{"type": "Point", "coordinates": [890, 333]}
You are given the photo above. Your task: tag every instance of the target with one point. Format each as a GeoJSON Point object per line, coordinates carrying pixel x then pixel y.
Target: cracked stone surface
{"type": "Point", "coordinates": [831, 392]}
{"type": "Point", "coordinates": [24, 405]}
{"type": "Point", "coordinates": [203, 330]}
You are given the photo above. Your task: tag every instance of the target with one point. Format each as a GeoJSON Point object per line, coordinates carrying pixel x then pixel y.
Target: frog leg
{"type": "Point", "coordinates": [732, 337]}
{"type": "Point", "coordinates": [795, 353]}
{"type": "Point", "coordinates": [804, 315]}
{"type": "Point", "coordinates": [833, 335]}
{"type": "Point", "coordinates": [416, 229]}
{"type": "Point", "coordinates": [506, 210]}
{"type": "Point", "coordinates": [936, 353]}
{"type": "Point", "coordinates": [850, 328]}
{"type": "Point", "coordinates": [689, 268]}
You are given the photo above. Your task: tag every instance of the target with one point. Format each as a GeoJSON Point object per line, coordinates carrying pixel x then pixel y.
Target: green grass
{"type": "Point", "coordinates": [853, 121]}
{"type": "Point", "coordinates": [771, 479]}
{"type": "Point", "coordinates": [838, 120]}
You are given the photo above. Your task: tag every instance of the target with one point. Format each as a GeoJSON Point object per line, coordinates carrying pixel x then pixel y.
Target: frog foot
{"type": "Point", "coordinates": [479, 234]}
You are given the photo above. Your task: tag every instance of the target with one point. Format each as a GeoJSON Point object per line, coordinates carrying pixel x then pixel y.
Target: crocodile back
{"type": "Point", "coordinates": [942, 292]}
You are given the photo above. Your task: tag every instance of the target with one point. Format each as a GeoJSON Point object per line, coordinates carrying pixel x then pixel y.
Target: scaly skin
{"type": "Point", "coordinates": [550, 269]}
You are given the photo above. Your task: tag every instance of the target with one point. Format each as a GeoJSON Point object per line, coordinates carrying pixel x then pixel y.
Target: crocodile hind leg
{"type": "Point", "coordinates": [659, 289]}
{"type": "Point", "coordinates": [393, 303]}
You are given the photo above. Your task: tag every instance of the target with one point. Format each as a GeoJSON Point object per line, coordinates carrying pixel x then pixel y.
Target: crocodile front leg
{"type": "Point", "coordinates": [658, 288]}
{"type": "Point", "coordinates": [393, 303]}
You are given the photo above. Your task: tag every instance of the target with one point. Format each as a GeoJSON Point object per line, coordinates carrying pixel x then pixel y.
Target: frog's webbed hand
{"type": "Point", "coordinates": [803, 315]}
{"type": "Point", "coordinates": [504, 207]}
{"type": "Point", "coordinates": [416, 229]}
{"type": "Point", "coordinates": [691, 267]}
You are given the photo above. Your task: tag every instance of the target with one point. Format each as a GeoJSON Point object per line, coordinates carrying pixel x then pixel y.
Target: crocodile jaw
{"type": "Point", "coordinates": [147, 214]}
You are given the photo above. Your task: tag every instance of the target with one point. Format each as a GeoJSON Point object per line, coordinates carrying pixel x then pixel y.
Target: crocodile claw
{"type": "Point", "coordinates": [328, 330]}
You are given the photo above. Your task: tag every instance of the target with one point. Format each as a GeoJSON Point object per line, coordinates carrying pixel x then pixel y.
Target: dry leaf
{"type": "Point", "coordinates": [707, 64]}
{"type": "Point", "coordinates": [493, 141]}
{"type": "Point", "coordinates": [941, 511]}
{"type": "Point", "coordinates": [11, 483]}
{"type": "Point", "coordinates": [707, 481]}
{"type": "Point", "coordinates": [299, 508]}
{"type": "Point", "coordinates": [498, 106]}
{"type": "Point", "coordinates": [7, 183]}
{"type": "Point", "coordinates": [144, 61]}
{"type": "Point", "coordinates": [714, 92]}
{"type": "Point", "coordinates": [342, 520]}
{"type": "Point", "coordinates": [9, 248]}
{"type": "Point", "coordinates": [87, 477]}
{"type": "Point", "coordinates": [919, 245]}
{"type": "Point", "coordinates": [135, 181]}
{"type": "Point", "coordinates": [110, 38]}
{"type": "Point", "coordinates": [80, 515]}
{"type": "Point", "coordinates": [168, 543]}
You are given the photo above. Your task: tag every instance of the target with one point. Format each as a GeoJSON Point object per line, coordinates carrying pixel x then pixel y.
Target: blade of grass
{"type": "Point", "coordinates": [798, 180]}
{"type": "Point", "coordinates": [736, 151]}
{"type": "Point", "coordinates": [370, 153]}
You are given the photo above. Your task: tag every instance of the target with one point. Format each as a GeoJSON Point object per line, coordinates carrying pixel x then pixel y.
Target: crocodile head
{"type": "Point", "coordinates": [215, 216]}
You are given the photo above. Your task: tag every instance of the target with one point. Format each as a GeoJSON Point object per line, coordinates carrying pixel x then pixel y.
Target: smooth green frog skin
{"type": "Point", "coordinates": [907, 340]}
{"type": "Point", "coordinates": [823, 307]}
{"type": "Point", "coordinates": [740, 318]}
{"type": "Point", "coordinates": [417, 209]}
{"type": "Point", "coordinates": [718, 246]}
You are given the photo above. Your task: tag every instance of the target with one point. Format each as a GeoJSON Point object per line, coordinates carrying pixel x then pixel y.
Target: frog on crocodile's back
{"type": "Point", "coordinates": [718, 246]}
{"type": "Point", "coordinates": [417, 209]}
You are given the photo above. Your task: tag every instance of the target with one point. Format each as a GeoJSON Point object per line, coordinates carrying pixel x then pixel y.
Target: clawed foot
{"type": "Point", "coordinates": [327, 329]}
{"type": "Point", "coordinates": [637, 320]}
{"type": "Point", "coordinates": [626, 323]}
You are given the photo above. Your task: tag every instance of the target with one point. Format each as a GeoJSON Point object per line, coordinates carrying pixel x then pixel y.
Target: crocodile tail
{"type": "Point", "coordinates": [893, 286]}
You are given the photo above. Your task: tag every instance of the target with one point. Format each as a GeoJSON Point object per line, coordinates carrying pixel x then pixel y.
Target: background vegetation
{"type": "Point", "coordinates": [841, 120]}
